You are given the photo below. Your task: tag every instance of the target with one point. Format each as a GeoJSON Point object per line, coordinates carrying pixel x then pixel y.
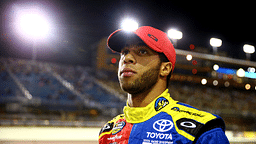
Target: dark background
{"type": "Point", "coordinates": [78, 25]}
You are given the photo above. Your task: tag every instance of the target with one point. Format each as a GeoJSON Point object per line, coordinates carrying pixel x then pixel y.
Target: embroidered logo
{"type": "Point", "coordinates": [163, 125]}
{"type": "Point", "coordinates": [118, 127]}
{"type": "Point", "coordinates": [161, 103]}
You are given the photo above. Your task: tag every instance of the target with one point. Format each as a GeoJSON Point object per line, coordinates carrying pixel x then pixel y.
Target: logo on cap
{"type": "Point", "coordinates": [153, 37]}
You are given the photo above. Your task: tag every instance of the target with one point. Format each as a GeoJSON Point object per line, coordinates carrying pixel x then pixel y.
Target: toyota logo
{"type": "Point", "coordinates": [163, 125]}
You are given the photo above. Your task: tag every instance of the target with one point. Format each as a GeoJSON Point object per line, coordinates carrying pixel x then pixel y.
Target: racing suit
{"type": "Point", "coordinates": [164, 121]}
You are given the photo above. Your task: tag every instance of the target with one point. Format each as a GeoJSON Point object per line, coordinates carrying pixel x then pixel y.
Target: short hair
{"type": "Point", "coordinates": [163, 58]}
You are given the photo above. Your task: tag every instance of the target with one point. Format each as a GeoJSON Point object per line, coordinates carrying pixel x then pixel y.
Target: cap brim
{"type": "Point", "coordinates": [118, 39]}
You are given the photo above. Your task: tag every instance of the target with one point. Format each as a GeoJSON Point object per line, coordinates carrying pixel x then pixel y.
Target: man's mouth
{"type": "Point", "coordinates": [127, 72]}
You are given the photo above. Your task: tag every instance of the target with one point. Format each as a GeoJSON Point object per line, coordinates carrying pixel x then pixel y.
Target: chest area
{"type": "Point", "coordinates": [158, 130]}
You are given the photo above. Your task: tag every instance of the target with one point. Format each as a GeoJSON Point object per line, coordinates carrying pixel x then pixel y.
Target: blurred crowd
{"type": "Point", "coordinates": [237, 107]}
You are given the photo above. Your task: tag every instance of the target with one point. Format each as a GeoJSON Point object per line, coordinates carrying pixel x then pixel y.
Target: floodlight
{"type": "Point", "coordinates": [251, 69]}
{"type": "Point", "coordinates": [31, 22]}
{"type": "Point", "coordinates": [204, 81]}
{"type": "Point", "coordinates": [247, 86]}
{"type": "Point", "coordinates": [34, 25]}
{"type": "Point", "coordinates": [129, 25]}
{"type": "Point", "coordinates": [215, 42]}
{"type": "Point", "coordinates": [240, 72]}
{"type": "Point", "coordinates": [174, 34]}
{"type": "Point", "coordinates": [216, 67]}
{"type": "Point", "coordinates": [215, 82]}
{"type": "Point", "coordinates": [189, 57]}
{"type": "Point", "coordinates": [249, 49]}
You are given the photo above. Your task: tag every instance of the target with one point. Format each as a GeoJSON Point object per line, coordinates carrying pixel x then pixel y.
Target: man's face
{"type": "Point", "coordinates": [138, 67]}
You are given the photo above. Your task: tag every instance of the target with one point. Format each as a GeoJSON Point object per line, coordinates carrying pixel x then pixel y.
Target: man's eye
{"type": "Point", "coordinates": [142, 52]}
{"type": "Point", "coordinates": [124, 52]}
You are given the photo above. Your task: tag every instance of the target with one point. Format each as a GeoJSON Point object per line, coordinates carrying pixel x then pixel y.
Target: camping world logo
{"type": "Point", "coordinates": [163, 125]}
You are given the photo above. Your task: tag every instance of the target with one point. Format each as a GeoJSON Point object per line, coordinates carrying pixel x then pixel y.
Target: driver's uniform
{"type": "Point", "coordinates": [164, 121]}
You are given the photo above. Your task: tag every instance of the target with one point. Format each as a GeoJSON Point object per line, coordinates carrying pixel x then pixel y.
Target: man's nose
{"type": "Point", "coordinates": [129, 59]}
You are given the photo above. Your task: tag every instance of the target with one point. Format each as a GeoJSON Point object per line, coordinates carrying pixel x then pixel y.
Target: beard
{"type": "Point", "coordinates": [145, 82]}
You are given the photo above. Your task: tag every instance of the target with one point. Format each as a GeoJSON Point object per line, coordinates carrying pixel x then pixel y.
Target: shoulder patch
{"type": "Point", "coordinates": [189, 125]}
{"type": "Point", "coordinates": [161, 103]}
{"type": "Point", "coordinates": [177, 109]}
{"type": "Point", "coordinates": [118, 127]}
{"type": "Point", "coordinates": [108, 127]}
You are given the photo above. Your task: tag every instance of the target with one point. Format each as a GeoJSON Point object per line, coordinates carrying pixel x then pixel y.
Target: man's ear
{"type": "Point", "coordinates": [166, 68]}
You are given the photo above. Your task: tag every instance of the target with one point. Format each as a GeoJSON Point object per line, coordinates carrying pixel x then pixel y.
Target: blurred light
{"type": "Point", "coordinates": [226, 70]}
{"type": "Point", "coordinates": [113, 60]}
{"type": "Point", "coordinates": [247, 86]}
{"type": "Point", "coordinates": [28, 95]}
{"type": "Point", "coordinates": [215, 42]}
{"type": "Point", "coordinates": [194, 62]}
{"type": "Point", "coordinates": [31, 21]}
{"type": "Point", "coordinates": [215, 82]}
{"type": "Point", "coordinates": [226, 84]}
{"type": "Point", "coordinates": [251, 69]}
{"type": "Point", "coordinates": [214, 74]}
{"type": "Point", "coordinates": [34, 25]}
{"type": "Point", "coordinates": [204, 81]}
{"type": "Point", "coordinates": [240, 72]}
{"type": "Point", "coordinates": [194, 71]}
{"type": "Point", "coordinates": [249, 49]}
{"type": "Point", "coordinates": [129, 25]}
{"type": "Point", "coordinates": [250, 75]}
{"type": "Point", "coordinates": [216, 67]}
{"type": "Point", "coordinates": [189, 57]}
{"type": "Point", "coordinates": [192, 47]}
{"type": "Point", "coordinates": [174, 34]}
{"type": "Point", "coordinates": [225, 77]}
{"type": "Point", "coordinates": [239, 80]}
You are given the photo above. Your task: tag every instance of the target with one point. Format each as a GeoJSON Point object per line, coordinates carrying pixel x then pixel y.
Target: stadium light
{"type": "Point", "coordinates": [215, 82]}
{"type": "Point", "coordinates": [174, 34]}
{"type": "Point", "coordinates": [31, 23]}
{"type": "Point", "coordinates": [204, 81]}
{"type": "Point", "coordinates": [215, 43]}
{"type": "Point", "coordinates": [240, 72]}
{"type": "Point", "coordinates": [129, 25]}
{"type": "Point", "coordinates": [34, 25]}
{"type": "Point", "coordinates": [189, 57]}
{"type": "Point", "coordinates": [216, 67]}
{"type": "Point", "coordinates": [248, 49]}
{"type": "Point", "coordinates": [247, 86]}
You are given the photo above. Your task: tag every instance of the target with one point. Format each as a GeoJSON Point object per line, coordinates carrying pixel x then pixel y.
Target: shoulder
{"type": "Point", "coordinates": [191, 122]}
{"type": "Point", "coordinates": [107, 128]}
{"type": "Point", "coordinates": [181, 110]}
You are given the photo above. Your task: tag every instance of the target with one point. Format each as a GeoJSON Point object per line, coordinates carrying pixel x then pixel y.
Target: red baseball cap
{"type": "Point", "coordinates": [154, 38]}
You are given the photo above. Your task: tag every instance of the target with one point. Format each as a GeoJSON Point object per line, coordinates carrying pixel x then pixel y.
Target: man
{"type": "Point", "coordinates": [151, 116]}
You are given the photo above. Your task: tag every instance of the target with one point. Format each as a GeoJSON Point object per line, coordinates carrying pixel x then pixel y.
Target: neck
{"type": "Point", "coordinates": [146, 97]}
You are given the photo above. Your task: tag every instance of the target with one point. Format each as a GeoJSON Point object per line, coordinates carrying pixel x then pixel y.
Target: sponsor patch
{"type": "Point", "coordinates": [161, 103]}
{"type": "Point", "coordinates": [177, 109]}
{"type": "Point", "coordinates": [189, 125]}
{"type": "Point", "coordinates": [107, 127]}
{"type": "Point", "coordinates": [118, 127]}
{"type": "Point", "coordinates": [163, 125]}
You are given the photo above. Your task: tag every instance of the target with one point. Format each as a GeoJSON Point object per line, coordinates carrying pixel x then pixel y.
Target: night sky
{"type": "Point", "coordinates": [79, 25]}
